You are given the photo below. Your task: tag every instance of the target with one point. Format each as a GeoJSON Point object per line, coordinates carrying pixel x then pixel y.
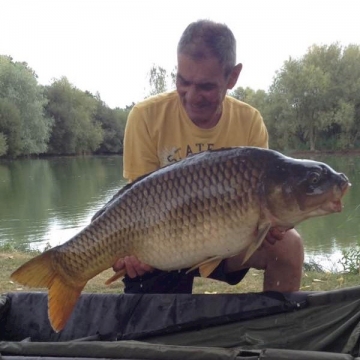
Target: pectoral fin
{"type": "Point", "coordinates": [207, 266]}
{"type": "Point", "coordinates": [262, 231]}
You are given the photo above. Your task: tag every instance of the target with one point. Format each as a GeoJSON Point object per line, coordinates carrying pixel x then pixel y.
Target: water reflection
{"type": "Point", "coordinates": [49, 200]}
{"type": "Point", "coordinates": [326, 237]}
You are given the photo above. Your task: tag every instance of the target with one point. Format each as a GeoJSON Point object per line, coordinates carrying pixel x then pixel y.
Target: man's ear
{"type": "Point", "coordinates": [234, 75]}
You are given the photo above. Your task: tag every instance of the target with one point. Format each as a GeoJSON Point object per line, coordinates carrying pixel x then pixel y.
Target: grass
{"type": "Point", "coordinates": [11, 259]}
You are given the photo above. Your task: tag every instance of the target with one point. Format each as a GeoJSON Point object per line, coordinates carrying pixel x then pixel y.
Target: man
{"type": "Point", "coordinates": [199, 116]}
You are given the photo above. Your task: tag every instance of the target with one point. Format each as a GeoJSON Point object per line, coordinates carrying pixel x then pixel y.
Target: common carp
{"type": "Point", "coordinates": [190, 214]}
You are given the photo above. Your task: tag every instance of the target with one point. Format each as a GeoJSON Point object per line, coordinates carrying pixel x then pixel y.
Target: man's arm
{"type": "Point", "coordinates": [145, 158]}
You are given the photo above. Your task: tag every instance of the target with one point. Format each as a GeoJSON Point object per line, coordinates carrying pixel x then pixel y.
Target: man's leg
{"type": "Point", "coordinates": [282, 263]}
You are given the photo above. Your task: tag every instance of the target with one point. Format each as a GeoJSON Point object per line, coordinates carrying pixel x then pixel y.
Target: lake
{"type": "Point", "coordinates": [47, 201]}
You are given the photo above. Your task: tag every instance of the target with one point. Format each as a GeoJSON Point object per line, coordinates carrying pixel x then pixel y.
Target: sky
{"type": "Point", "coordinates": [109, 46]}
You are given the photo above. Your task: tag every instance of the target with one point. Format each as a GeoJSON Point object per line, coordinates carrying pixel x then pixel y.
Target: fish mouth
{"type": "Point", "coordinates": [336, 204]}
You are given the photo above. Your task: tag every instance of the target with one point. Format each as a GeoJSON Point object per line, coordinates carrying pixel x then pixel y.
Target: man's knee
{"type": "Point", "coordinates": [285, 253]}
{"type": "Point", "coordinates": [282, 262]}
{"type": "Point", "coordinates": [291, 248]}
{"type": "Point", "coordinates": [283, 270]}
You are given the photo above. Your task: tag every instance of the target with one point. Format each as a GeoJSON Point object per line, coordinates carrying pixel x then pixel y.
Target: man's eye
{"type": "Point", "coordinates": [207, 87]}
{"type": "Point", "coordinates": [184, 83]}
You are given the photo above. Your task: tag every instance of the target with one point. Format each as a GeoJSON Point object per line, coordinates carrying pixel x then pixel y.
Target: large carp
{"type": "Point", "coordinates": [190, 214]}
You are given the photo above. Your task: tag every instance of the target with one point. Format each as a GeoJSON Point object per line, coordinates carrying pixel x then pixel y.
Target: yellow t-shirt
{"type": "Point", "coordinates": [158, 132]}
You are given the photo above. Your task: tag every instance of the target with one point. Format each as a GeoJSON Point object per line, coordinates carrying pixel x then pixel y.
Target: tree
{"type": "Point", "coordinates": [278, 117]}
{"type": "Point", "coordinates": [10, 129]}
{"type": "Point", "coordinates": [76, 130]}
{"type": "Point", "coordinates": [257, 99]}
{"type": "Point", "coordinates": [303, 87]}
{"type": "Point", "coordinates": [312, 100]}
{"type": "Point", "coordinates": [160, 81]}
{"type": "Point", "coordinates": [113, 125]}
{"type": "Point", "coordinates": [18, 86]}
{"type": "Point", "coordinates": [349, 78]}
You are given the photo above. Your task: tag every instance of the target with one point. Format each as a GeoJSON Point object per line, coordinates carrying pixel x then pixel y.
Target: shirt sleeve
{"type": "Point", "coordinates": [140, 154]}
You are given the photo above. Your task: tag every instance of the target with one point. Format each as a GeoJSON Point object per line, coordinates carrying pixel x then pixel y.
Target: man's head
{"type": "Point", "coordinates": [206, 70]}
{"type": "Point", "coordinates": [204, 39]}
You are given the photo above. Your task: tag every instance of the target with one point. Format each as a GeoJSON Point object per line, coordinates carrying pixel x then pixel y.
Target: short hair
{"type": "Point", "coordinates": [205, 38]}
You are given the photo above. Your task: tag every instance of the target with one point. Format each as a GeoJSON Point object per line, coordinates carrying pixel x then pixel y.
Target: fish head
{"type": "Point", "coordinates": [296, 190]}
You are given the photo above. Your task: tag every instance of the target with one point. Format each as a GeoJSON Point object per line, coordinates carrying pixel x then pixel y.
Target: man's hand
{"type": "Point", "coordinates": [274, 235]}
{"type": "Point", "coordinates": [132, 266]}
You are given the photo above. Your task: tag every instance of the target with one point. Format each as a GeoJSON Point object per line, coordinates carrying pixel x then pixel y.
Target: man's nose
{"type": "Point", "coordinates": [193, 95]}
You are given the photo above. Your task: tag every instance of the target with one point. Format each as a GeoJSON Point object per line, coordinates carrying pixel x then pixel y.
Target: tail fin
{"type": "Point", "coordinates": [39, 273]}
{"type": "Point", "coordinates": [61, 302]}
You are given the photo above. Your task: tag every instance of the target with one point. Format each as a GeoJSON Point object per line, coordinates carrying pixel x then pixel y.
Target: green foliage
{"type": "Point", "coordinates": [113, 125]}
{"type": "Point", "coordinates": [24, 248]}
{"type": "Point", "coordinates": [350, 260]}
{"type": "Point", "coordinates": [313, 103]}
{"type": "Point", "coordinates": [10, 128]}
{"type": "Point", "coordinates": [19, 87]}
{"type": "Point", "coordinates": [313, 267]}
{"type": "Point", "coordinates": [314, 100]}
{"type": "Point", "coordinates": [257, 99]}
{"type": "Point", "coordinates": [76, 131]}
{"type": "Point", "coordinates": [302, 88]}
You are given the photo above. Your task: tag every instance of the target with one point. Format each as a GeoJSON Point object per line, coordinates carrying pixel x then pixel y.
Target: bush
{"type": "Point", "coordinates": [351, 260]}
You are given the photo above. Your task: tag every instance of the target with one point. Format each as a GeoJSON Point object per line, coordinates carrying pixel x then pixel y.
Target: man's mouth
{"type": "Point", "coordinates": [197, 107]}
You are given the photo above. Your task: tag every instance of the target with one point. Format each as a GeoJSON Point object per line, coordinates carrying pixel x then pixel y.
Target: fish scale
{"type": "Point", "coordinates": [190, 214]}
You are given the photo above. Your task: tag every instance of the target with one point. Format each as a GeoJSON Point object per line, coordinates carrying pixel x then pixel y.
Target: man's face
{"type": "Point", "coordinates": [202, 86]}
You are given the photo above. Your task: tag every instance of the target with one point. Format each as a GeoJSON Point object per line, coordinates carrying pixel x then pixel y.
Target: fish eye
{"type": "Point", "coordinates": [313, 177]}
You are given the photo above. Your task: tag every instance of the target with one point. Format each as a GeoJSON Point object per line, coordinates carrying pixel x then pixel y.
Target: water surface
{"type": "Point", "coordinates": [46, 201]}
{"type": "Point", "coordinates": [49, 200]}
